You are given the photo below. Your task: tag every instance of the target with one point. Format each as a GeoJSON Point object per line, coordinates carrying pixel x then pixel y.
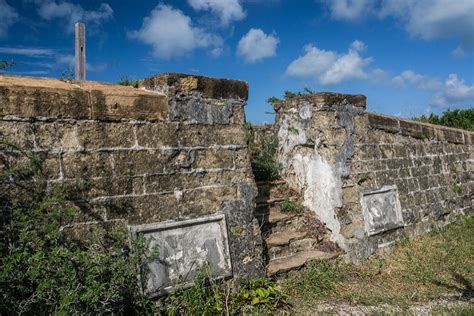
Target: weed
{"type": "Point", "coordinates": [264, 164]}
{"type": "Point", "coordinates": [45, 269]}
{"type": "Point", "coordinates": [126, 81]}
{"type": "Point", "coordinates": [293, 130]}
{"type": "Point", "coordinates": [418, 270]}
{"type": "Point", "coordinates": [211, 297]}
{"type": "Point", "coordinates": [457, 188]}
{"type": "Point", "coordinates": [288, 206]}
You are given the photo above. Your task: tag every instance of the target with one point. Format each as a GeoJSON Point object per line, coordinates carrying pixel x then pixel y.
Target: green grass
{"type": "Point", "coordinates": [288, 206]}
{"type": "Point", "coordinates": [439, 263]}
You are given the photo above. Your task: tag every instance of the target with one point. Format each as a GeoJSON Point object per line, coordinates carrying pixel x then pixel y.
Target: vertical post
{"type": "Point", "coordinates": [80, 51]}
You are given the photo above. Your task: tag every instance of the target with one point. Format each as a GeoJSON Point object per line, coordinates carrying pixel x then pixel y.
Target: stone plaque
{"type": "Point", "coordinates": [382, 210]}
{"type": "Point", "coordinates": [184, 249]}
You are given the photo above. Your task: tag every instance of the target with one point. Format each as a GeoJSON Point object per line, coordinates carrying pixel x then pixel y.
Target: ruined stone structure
{"type": "Point", "coordinates": [372, 179]}
{"type": "Point", "coordinates": [174, 152]}
{"type": "Point", "coordinates": [171, 161]}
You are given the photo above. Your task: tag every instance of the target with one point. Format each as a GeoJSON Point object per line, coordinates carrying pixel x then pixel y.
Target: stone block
{"type": "Point", "coordinates": [96, 135]}
{"type": "Point", "coordinates": [57, 136]}
{"type": "Point", "coordinates": [413, 129]}
{"type": "Point", "coordinates": [205, 201]}
{"type": "Point", "coordinates": [141, 162]}
{"type": "Point", "coordinates": [30, 98]}
{"type": "Point", "coordinates": [114, 106]}
{"type": "Point", "coordinates": [208, 135]}
{"type": "Point", "coordinates": [386, 123]}
{"type": "Point", "coordinates": [450, 135]}
{"type": "Point", "coordinates": [20, 134]}
{"type": "Point", "coordinates": [86, 165]}
{"type": "Point", "coordinates": [173, 84]}
{"type": "Point", "coordinates": [157, 135]}
{"type": "Point", "coordinates": [214, 159]}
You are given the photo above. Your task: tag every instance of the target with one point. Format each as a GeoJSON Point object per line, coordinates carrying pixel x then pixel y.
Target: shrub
{"type": "Point", "coordinates": [126, 81]}
{"type": "Point", "coordinates": [44, 269]}
{"type": "Point", "coordinates": [264, 164]}
{"type": "Point", "coordinates": [457, 119]}
{"type": "Point", "coordinates": [211, 297]}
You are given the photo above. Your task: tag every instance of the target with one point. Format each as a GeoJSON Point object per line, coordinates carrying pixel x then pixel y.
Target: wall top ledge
{"type": "Point", "coordinates": [173, 83]}
{"type": "Point", "coordinates": [323, 100]}
{"type": "Point", "coordinates": [52, 98]}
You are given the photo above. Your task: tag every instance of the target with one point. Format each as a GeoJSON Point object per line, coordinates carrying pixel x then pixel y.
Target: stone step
{"type": "Point", "coordinates": [283, 238]}
{"type": "Point", "coordinates": [305, 244]}
{"type": "Point", "coordinates": [296, 261]}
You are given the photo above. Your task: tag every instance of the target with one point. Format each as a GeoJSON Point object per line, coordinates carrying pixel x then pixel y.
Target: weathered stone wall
{"type": "Point", "coordinates": [175, 149]}
{"type": "Point", "coordinates": [373, 179]}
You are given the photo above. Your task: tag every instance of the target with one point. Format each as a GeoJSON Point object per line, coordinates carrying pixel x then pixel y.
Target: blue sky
{"type": "Point", "coordinates": [408, 57]}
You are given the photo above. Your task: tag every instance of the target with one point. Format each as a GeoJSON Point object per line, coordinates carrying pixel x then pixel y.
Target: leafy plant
{"type": "Point", "coordinates": [5, 64]}
{"type": "Point", "coordinates": [67, 75]}
{"type": "Point", "coordinates": [45, 268]}
{"type": "Point", "coordinates": [127, 81]}
{"type": "Point", "coordinates": [290, 94]}
{"type": "Point", "coordinates": [211, 297]}
{"type": "Point", "coordinates": [288, 206]}
{"type": "Point", "coordinates": [457, 119]}
{"type": "Point", "coordinates": [264, 164]}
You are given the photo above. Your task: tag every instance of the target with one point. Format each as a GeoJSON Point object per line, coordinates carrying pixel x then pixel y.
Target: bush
{"type": "Point", "coordinates": [210, 297]}
{"type": "Point", "coordinates": [126, 81]}
{"type": "Point", "coordinates": [457, 119]}
{"type": "Point", "coordinates": [43, 268]}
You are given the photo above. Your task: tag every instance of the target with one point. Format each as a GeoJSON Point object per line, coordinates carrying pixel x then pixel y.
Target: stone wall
{"type": "Point", "coordinates": [373, 179]}
{"type": "Point", "coordinates": [175, 149]}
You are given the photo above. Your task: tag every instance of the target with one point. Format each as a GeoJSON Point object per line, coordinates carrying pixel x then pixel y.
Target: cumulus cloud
{"type": "Point", "coordinates": [8, 17]}
{"type": "Point", "coordinates": [172, 34]}
{"type": "Point", "coordinates": [428, 19]}
{"type": "Point", "coordinates": [72, 13]}
{"type": "Point", "coordinates": [226, 10]}
{"type": "Point", "coordinates": [256, 45]}
{"type": "Point", "coordinates": [455, 92]}
{"type": "Point", "coordinates": [409, 77]}
{"type": "Point", "coordinates": [349, 10]}
{"type": "Point", "coordinates": [330, 67]}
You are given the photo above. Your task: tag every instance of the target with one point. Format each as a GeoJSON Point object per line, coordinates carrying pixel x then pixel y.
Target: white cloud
{"type": "Point", "coordinates": [349, 10]}
{"type": "Point", "coordinates": [72, 13]}
{"type": "Point", "coordinates": [226, 10]}
{"type": "Point", "coordinates": [256, 45]}
{"type": "Point", "coordinates": [27, 51]}
{"type": "Point", "coordinates": [330, 67]}
{"type": "Point", "coordinates": [408, 77]}
{"type": "Point", "coordinates": [8, 16]}
{"type": "Point", "coordinates": [455, 93]}
{"type": "Point", "coordinates": [428, 19]}
{"type": "Point", "coordinates": [459, 52]}
{"type": "Point", "coordinates": [172, 34]}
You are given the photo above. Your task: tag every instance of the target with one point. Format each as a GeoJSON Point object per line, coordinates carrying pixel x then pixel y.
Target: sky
{"type": "Point", "coordinates": [408, 57]}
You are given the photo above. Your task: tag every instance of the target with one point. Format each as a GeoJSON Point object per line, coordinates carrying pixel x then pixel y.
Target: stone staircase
{"type": "Point", "coordinates": [292, 235]}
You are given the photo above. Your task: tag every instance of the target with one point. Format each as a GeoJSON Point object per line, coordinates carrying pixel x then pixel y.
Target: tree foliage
{"type": "Point", "coordinates": [456, 118]}
{"type": "Point", "coordinates": [44, 268]}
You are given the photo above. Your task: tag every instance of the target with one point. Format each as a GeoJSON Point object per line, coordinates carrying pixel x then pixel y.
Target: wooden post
{"type": "Point", "coordinates": [80, 51]}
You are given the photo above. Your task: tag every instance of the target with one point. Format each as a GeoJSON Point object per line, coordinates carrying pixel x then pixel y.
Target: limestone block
{"type": "Point", "coordinates": [86, 165]}
{"type": "Point", "coordinates": [156, 135]}
{"type": "Point", "coordinates": [96, 135]}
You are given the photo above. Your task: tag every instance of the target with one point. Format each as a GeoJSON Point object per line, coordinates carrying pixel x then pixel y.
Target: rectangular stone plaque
{"type": "Point", "coordinates": [184, 248]}
{"type": "Point", "coordinates": [382, 211]}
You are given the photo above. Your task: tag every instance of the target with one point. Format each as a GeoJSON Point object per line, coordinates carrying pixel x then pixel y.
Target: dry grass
{"type": "Point", "coordinates": [420, 270]}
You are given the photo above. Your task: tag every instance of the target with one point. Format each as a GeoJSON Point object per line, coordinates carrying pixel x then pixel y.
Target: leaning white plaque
{"type": "Point", "coordinates": [184, 249]}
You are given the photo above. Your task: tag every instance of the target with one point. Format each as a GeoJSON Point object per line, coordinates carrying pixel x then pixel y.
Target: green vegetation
{"type": "Point", "coordinates": [45, 268]}
{"type": "Point", "coordinates": [441, 262]}
{"type": "Point", "coordinates": [5, 64]}
{"type": "Point", "coordinates": [126, 81]}
{"type": "Point", "coordinates": [208, 297]}
{"type": "Point", "coordinates": [457, 119]}
{"type": "Point", "coordinates": [263, 155]}
{"type": "Point", "coordinates": [457, 188]}
{"type": "Point", "coordinates": [264, 164]}
{"type": "Point", "coordinates": [289, 94]}
{"type": "Point", "coordinates": [288, 206]}
{"type": "Point", "coordinates": [67, 75]}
